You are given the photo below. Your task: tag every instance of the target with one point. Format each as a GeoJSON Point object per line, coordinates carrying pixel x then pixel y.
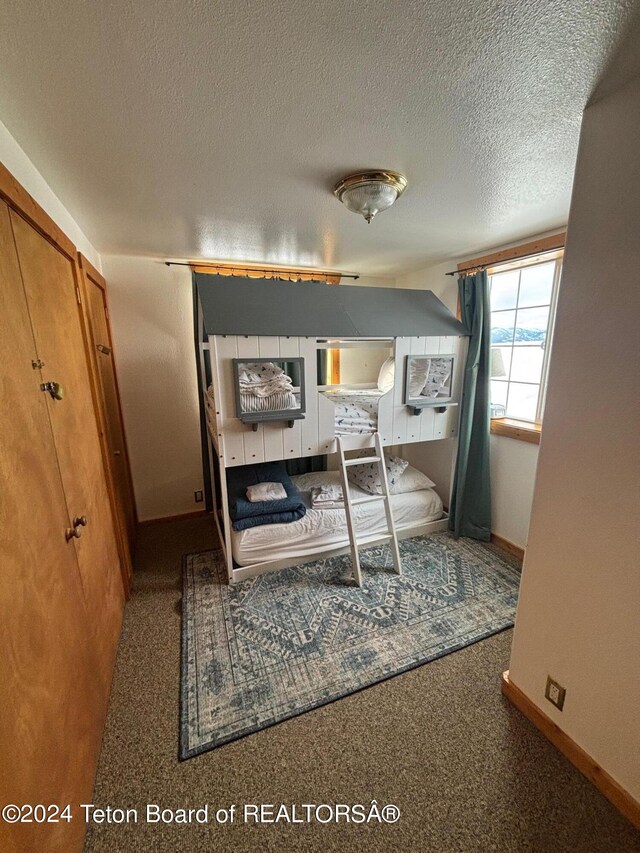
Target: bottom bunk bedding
{"type": "Point", "coordinates": [322, 529]}
{"type": "Point", "coordinates": [356, 410]}
{"type": "Point", "coordinates": [246, 514]}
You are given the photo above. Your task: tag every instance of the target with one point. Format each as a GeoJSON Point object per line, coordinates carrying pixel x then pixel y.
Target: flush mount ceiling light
{"type": "Point", "coordinates": [370, 192]}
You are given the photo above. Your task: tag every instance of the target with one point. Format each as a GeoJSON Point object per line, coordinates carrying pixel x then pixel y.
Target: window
{"type": "Point", "coordinates": [522, 298]}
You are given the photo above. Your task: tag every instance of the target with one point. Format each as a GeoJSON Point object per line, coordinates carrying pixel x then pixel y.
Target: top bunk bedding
{"type": "Point", "coordinates": [265, 387]}
{"type": "Point", "coordinates": [356, 409]}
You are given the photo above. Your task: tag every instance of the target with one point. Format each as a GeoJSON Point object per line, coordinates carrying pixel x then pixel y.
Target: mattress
{"type": "Point", "coordinates": [356, 410]}
{"type": "Point", "coordinates": [327, 528]}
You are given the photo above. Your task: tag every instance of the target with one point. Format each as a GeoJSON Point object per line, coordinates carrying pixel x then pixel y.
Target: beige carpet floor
{"type": "Point", "coordinates": [469, 773]}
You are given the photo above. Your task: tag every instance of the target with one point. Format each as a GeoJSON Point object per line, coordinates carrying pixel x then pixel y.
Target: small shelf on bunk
{"type": "Point", "coordinates": [257, 418]}
{"type": "Point", "coordinates": [438, 407]}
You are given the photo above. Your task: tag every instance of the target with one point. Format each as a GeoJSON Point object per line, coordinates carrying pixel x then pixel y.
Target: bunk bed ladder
{"type": "Point", "coordinates": [350, 502]}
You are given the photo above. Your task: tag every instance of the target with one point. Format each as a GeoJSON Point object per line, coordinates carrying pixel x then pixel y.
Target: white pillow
{"type": "Point", "coordinates": [366, 476]}
{"type": "Point", "coordinates": [411, 480]}
{"type": "Point", "coordinates": [386, 375]}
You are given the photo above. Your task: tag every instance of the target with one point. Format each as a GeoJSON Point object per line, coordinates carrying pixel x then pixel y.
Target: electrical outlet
{"type": "Point", "coordinates": [555, 693]}
{"type": "Point", "coordinates": [198, 496]}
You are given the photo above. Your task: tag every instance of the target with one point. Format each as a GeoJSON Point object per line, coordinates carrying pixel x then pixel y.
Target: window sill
{"type": "Point", "coordinates": [520, 430]}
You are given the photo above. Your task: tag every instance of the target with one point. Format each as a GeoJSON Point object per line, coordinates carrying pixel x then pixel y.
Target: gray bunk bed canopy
{"type": "Point", "coordinates": [245, 306]}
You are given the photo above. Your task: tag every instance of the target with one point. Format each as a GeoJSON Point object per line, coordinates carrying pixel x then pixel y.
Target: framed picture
{"type": "Point", "coordinates": [428, 380]}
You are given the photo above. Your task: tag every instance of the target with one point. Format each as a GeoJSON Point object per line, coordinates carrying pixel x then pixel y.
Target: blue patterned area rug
{"type": "Point", "coordinates": [278, 645]}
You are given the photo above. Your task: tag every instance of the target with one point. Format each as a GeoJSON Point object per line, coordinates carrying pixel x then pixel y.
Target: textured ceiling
{"type": "Point", "coordinates": [191, 128]}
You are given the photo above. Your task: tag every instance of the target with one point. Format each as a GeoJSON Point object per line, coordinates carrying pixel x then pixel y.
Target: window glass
{"type": "Point", "coordinates": [522, 401]}
{"type": "Point", "coordinates": [521, 301]}
{"type": "Point", "coordinates": [526, 364]}
{"type": "Point", "coordinates": [504, 290]}
{"type": "Point", "coordinates": [536, 284]}
{"type": "Point", "coordinates": [502, 326]}
{"type": "Point", "coordinates": [531, 325]}
{"type": "Point", "coordinates": [499, 392]}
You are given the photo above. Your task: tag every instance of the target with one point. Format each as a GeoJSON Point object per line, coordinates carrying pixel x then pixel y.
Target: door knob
{"type": "Point", "coordinates": [54, 388]}
{"type": "Point", "coordinates": [72, 533]}
{"type": "Point", "coordinates": [80, 521]}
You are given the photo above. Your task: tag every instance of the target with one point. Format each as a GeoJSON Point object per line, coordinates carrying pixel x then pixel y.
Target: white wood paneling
{"type": "Point", "coordinates": [413, 427]}
{"type": "Point", "coordinates": [431, 425]}
{"type": "Point", "coordinates": [385, 417]}
{"type": "Point", "coordinates": [232, 429]}
{"type": "Point", "coordinates": [440, 421]}
{"type": "Point", "coordinates": [291, 436]}
{"type": "Point", "coordinates": [401, 413]}
{"type": "Point", "coordinates": [253, 441]}
{"type": "Point", "coordinates": [269, 347]}
{"type": "Point", "coordinates": [386, 403]}
{"type": "Point", "coordinates": [417, 346]}
{"type": "Point", "coordinates": [453, 414]}
{"type": "Point", "coordinates": [309, 426]}
{"type": "Point", "coordinates": [214, 414]}
{"type": "Point", "coordinates": [214, 430]}
{"type": "Point", "coordinates": [315, 433]}
{"type": "Point", "coordinates": [427, 424]}
{"type": "Point", "coordinates": [448, 344]}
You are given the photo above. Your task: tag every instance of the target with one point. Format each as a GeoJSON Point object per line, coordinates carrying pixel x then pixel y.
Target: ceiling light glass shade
{"type": "Point", "coordinates": [368, 193]}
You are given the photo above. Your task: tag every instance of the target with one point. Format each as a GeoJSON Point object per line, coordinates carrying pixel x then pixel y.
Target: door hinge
{"type": "Point", "coordinates": [78, 295]}
{"type": "Point", "coordinates": [37, 363]}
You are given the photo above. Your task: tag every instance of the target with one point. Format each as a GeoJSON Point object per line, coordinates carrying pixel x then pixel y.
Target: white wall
{"type": "Point", "coordinates": [152, 321]}
{"type": "Point", "coordinates": [434, 277]}
{"type": "Point", "coordinates": [579, 612]}
{"type": "Point", "coordinates": [513, 474]}
{"type": "Point", "coordinates": [23, 170]}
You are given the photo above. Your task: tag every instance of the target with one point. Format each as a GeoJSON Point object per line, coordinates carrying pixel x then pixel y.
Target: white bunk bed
{"type": "Point", "coordinates": [232, 442]}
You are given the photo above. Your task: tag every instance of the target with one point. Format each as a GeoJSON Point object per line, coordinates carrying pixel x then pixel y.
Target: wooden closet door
{"type": "Point", "coordinates": [52, 297]}
{"type": "Point", "coordinates": [102, 345]}
{"type": "Point", "coordinates": [51, 696]}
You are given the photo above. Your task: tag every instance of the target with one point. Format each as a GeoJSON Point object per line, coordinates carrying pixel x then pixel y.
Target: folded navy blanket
{"type": "Point", "coordinates": [245, 513]}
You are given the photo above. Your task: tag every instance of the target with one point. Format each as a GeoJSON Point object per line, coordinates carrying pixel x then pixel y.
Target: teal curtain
{"type": "Point", "coordinates": [470, 511]}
